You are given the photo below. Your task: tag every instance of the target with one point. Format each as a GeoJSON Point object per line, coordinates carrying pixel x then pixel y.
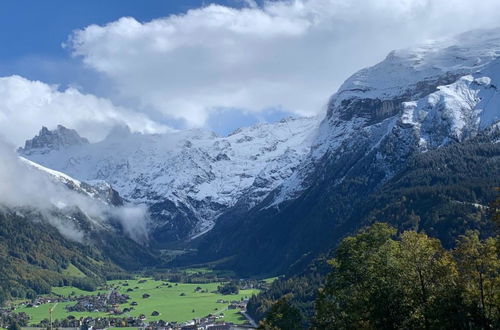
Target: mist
{"type": "Point", "coordinates": [23, 185]}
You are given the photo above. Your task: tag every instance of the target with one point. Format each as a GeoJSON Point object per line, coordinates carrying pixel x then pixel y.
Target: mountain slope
{"type": "Point", "coordinates": [51, 224]}
{"type": "Point", "coordinates": [34, 255]}
{"type": "Point", "coordinates": [380, 126]}
{"type": "Point", "coordinates": [187, 178]}
{"type": "Point", "coordinates": [399, 140]}
{"type": "Point", "coordinates": [97, 190]}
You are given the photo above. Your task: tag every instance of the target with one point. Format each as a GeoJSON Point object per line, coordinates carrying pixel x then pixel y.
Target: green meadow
{"type": "Point", "coordinates": [175, 302]}
{"type": "Point", "coordinates": [73, 271]}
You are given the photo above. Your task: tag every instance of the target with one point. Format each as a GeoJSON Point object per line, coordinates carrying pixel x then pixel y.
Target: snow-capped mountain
{"type": "Point", "coordinates": [453, 81]}
{"type": "Point", "coordinates": [79, 210]}
{"type": "Point", "coordinates": [444, 90]}
{"type": "Point", "coordinates": [187, 178]}
{"type": "Point", "coordinates": [72, 210]}
{"type": "Point", "coordinates": [97, 190]}
{"type": "Point", "coordinates": [416, 100]}
{"type": "Point", "coordinates": [385, 119]}
{"type": "Point", "coordinates": [422, 97]}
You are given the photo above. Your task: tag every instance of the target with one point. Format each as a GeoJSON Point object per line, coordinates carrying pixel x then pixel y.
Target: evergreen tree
{"type": "Point", "coordinates": [14, 326]}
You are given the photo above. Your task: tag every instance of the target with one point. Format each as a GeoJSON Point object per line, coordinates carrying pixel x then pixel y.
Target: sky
{"type": "Point", "coordinates": [157, 65]}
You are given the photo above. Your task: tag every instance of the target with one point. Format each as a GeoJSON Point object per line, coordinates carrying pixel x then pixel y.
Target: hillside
{"type": "Point", "coordinates": [34, 257]}
{"type": "Point", "coordinates": [443, 193]}
{"type": "Point", "coordinates": [55, 230]}
{"type": "Point", "coordinates": [187, 178]}
{"type": "Point", "coordinates": [412, 140]}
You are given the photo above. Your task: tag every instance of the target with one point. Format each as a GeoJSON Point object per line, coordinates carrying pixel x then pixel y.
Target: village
{"type": "Point", "coordinates": [112, 303]}
{"type": "Point", "coordinates": [211, 321]}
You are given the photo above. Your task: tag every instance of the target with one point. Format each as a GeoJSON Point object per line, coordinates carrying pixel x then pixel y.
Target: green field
{"type": "Point", "coordinates": [73, 271]}
{"type": "Point", "coordinates": [270, 280]}
{"type": "Point", "coordinates": [169, 302]}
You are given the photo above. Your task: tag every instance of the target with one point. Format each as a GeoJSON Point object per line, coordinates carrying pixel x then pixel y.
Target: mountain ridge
{"type": "Point", "coordinates": [369, 136]}
{"type": "Point", "coordinates": [301, 183]}
{"type": "Point", "coordinates": [189, 177]}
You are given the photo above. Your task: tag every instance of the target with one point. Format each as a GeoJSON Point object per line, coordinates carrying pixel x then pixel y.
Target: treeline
{"type": "Point", "coordinates": [231, 287]}
{"type": "Point", "coordinates": [381, 280]}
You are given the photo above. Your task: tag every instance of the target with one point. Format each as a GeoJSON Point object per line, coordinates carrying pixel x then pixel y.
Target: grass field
{"type": "Point", "coordinates": [178, 303]}
{"type": "Point", "coordinates": [270, 280]}
{"type": "Point", "coordinates": [73, 271]}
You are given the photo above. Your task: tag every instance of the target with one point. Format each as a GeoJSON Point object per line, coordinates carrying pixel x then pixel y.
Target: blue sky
{"type": "Point", "coordinates": [36, 30]}
{"type": "Point", "coordinates": [33, 27]}
{"type": "Point", "coordinates": [152, 65]}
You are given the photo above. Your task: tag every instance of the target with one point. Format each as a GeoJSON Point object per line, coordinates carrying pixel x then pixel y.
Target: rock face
{"type": "Point", "coordinates": [187, 178]}
{"type": "Point", "coordinates": [47, 140]}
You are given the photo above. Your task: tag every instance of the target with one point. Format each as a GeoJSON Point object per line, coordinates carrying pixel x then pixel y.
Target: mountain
{"type": "Point", "coordinates": [35, 256]}
{"type": "Point", "coordinates": [56, 230]}
{"type": "Point", "coordinates": [412, 140]}
{"type": "Point", "coordinates": [41, 248]}
{"type": "Point", "coordinates": [97, 190]}
{"type": "Point", "coordinates": [48, 140]}
{"type": "Point", "coordinates": [187, 178]}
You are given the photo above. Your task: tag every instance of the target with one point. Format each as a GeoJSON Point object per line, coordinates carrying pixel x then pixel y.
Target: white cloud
{"type": "Point", "coordinates": [285, 54]}
{"type": "Point", "coordinates": [22, 185]}
{"type": "Point", "coordinates": [27, 105]}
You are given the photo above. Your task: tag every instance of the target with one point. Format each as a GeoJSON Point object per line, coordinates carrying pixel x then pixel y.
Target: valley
{"type": "Point", "coordinates": [387, 202]}
{"type": "Point", "coordinates": [148, 301]}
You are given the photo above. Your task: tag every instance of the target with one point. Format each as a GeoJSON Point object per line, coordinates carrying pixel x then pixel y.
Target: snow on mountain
{"type": "Point", "coordinates": [446, 90]}
{"type": "Point", "coordinates": [458, 110]}
{"type": "Point", "coordinates": [97, 190]}
{"type": "Point", "coordinates": [414, 100]}
{"type": "Point", "coordinates": [79, 210]}
{"type": "Point", "coordinates": [201, 173]}
{"type": "Point", "coordinates": [427, 96]}
{"type": "Point", "coordinates": [416, 71]}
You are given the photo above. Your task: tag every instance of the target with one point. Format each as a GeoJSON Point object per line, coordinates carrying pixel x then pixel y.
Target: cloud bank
{"type": "Point", "coordinates": [27, 105]}
{"type": "Point", "coordinates": [22, 185]}
{"type": "Point", "coordinates": [288, 55]}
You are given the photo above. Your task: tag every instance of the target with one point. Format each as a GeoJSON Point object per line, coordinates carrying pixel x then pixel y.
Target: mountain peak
{"type": "Point", "coordinates": [119, 132]}
{"type": "Point", "coordinates": [48, 140]}
{"type": "Point", "coordinates": [409, 74]}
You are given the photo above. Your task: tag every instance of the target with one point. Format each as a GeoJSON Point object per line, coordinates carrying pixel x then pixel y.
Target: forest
{"type": "Point", "coordinates": [382, 279]}
{"type": "Point", "coordinates": [35, 257]}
